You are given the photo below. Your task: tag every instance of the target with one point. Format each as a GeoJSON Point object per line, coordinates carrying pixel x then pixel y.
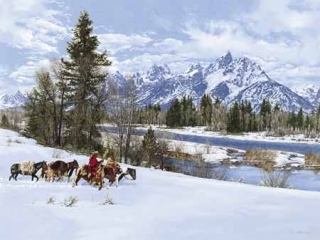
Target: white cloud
{"type": "Point", "coordinates": [24, 75]}
{"type": "Point", "coordinates": [144, 61]}
{"type": "Point", "coordinates": [30, 25]}
{"type": "Point", "coordinates": [115, 42]}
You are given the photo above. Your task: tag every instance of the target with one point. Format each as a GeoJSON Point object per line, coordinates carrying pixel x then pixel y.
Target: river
{"type": "Point", "coordinates": [229, 142]}
{"type": "Point", "coordinates": [299, 179]}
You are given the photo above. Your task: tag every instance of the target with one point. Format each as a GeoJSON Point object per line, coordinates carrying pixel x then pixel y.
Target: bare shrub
{"type": "Point", "coordinates": [57, 153]}
{"type": "Point", "coordinates": [206, 170]}
{"type": "Point", "coordinates": [220, 172]}
{"type": "Point", "coordinates": [276, 179]}
{"type": "Point", "coordinates": [70, 202]}
{"type": "Point", "coordinates": [178, 146]}
{"type": "Point", "coordinates": [260, 158]}
{"type": "Point", "coordinates": [231, 150]}
{"type": "Point", "coordinates": [312, 159]}
{"type": "Point", "coordinates": [51, 200]}
{"type": "Point", "coordinates": [108, 200]}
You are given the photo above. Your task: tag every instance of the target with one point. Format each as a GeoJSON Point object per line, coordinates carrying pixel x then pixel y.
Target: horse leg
{"type": "Point", "coordinates": [70, 174]}
{"type": "Point", "coordinates": [12, 176]}
{"type": "Point", "coordinates": [16, 175]}
{"type": "Point", "coordinates": [35, 176]}
{"type": "Point", "coordinates": [76, 180]}
{"type": "Point", "coordinates": [117, 182]}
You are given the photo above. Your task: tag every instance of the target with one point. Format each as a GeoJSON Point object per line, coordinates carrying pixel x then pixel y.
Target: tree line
{"type": "Point", "coordinates": [240, 117]}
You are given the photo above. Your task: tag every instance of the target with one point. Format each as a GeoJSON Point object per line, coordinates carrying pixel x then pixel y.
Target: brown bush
{"type": "Point", "coordinates": [312, 159]}
{"type": "Point", "coordinates": [260, 158]}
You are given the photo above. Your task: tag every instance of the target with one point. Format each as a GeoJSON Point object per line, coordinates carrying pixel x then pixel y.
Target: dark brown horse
{"type": "Point", "coordinates": [58, 169]}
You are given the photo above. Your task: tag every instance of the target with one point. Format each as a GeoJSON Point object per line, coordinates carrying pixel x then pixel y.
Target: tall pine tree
{"type": "Point", "coordinates": [86, 76]}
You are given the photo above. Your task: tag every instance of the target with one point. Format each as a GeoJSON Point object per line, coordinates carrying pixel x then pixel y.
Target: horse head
{"type": "Point", "coordinates": [132, 173]}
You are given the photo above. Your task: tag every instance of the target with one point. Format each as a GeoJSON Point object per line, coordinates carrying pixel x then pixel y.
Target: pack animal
{"type": "Point", "coordinates": [59, 169]}
{"type": "Point", "coordinates": [26, 168]}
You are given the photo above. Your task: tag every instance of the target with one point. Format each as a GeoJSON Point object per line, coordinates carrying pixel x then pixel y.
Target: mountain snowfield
{"type": "Point", "coordinates": [158, 205]}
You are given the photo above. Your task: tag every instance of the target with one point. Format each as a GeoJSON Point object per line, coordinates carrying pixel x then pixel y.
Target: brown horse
{"type": "Point", "coordinates": [97, 179]}
{"type": "Point", "coordinates": [58, 169]}
{"type": "Point", "coordinates": [111, 174]}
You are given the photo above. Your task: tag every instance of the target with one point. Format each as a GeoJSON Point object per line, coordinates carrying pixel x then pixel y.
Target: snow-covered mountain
{"type": "Point", "coordinates": [276, 93]}
{"type": "Point", "coordinates": [12, 100]}
{"type": "Point", "coordinates": [226, 78]}
{"type": "Point", "coordinates": [309, 92]}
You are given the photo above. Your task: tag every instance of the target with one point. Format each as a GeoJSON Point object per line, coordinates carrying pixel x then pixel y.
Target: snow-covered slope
{"type": "Point", "coordinates": [158, 205]}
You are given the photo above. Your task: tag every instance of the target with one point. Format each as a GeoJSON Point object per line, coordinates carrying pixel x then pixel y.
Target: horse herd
{"type": "Point", "coordinates": [58, 169]}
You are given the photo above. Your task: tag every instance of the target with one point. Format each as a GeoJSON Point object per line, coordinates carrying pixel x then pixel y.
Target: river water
{"type": "Point", "coordinates": [298, 147]}
{"type": "Point", "coordinates": [300, 179]}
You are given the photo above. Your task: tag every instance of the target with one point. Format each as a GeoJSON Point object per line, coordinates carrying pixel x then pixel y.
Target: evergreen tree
{"type": "Point", "coordinates": [4, 121]}
{"type": "Point", "coordinates": [300, 119]}
{"type": "Point", "coordinates": [292, 120]}
{"type": "Point", "coordinates": [40, 110]}
{"type": "Point", "coordinates": [173, 117]}
{"type": "Point", "coordinates": [276, 107]}
{"type": "Point", "coordinates": [206, 108]}
{"type": "Point", "coordinates": [150, 146]}
{"type": "Point", "coordinates": [85, 74]}
{"type": "Point", "coordinates": [234, 119]}
{"type": "Point", "coordinates": [265, 114]}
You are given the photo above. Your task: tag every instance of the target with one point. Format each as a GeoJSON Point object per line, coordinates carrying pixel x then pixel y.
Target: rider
{"type": "Point", "coordinates": [93, 162]}
{"type": "Point", "coordinates": [111, 162]}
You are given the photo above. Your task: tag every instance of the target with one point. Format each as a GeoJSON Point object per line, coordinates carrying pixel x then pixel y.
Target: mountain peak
{"type": "Point", "coordinates": [14, 99]}
{"type": "Point", "coordinates": [157, 72]}
{"type": "Point", "coordinates": [219, 63]}
{"type": "Point", "coordinates": [194, 67]}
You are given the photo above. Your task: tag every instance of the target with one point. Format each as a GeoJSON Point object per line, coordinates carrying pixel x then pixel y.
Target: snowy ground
{"type": "Point", "coordinates": [158, 205]}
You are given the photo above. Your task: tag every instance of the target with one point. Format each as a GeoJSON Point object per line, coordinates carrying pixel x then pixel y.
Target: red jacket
{"type": "Point", "coordinates": [93, 162]}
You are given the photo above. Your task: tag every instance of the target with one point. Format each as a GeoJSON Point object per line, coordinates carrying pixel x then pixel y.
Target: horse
{"type": "Point", "coordinates": [71, 166]}
{"type": "Point", "coordinates": [16, 170]}
{"type": "Point", "coordinates": [111, 174]}
{"type": "Point", "coordinates": [58, 169]}
{"type": "Point", "coordinates": [84, 172]}
{"type": "Point", "coordinates": [128, 171]}
{"type": "Point", "coordinates": [116, 174]}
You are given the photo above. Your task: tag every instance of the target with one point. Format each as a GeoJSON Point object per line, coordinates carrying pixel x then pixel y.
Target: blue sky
{"type": "Point", "coordinates": [281, 35]}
